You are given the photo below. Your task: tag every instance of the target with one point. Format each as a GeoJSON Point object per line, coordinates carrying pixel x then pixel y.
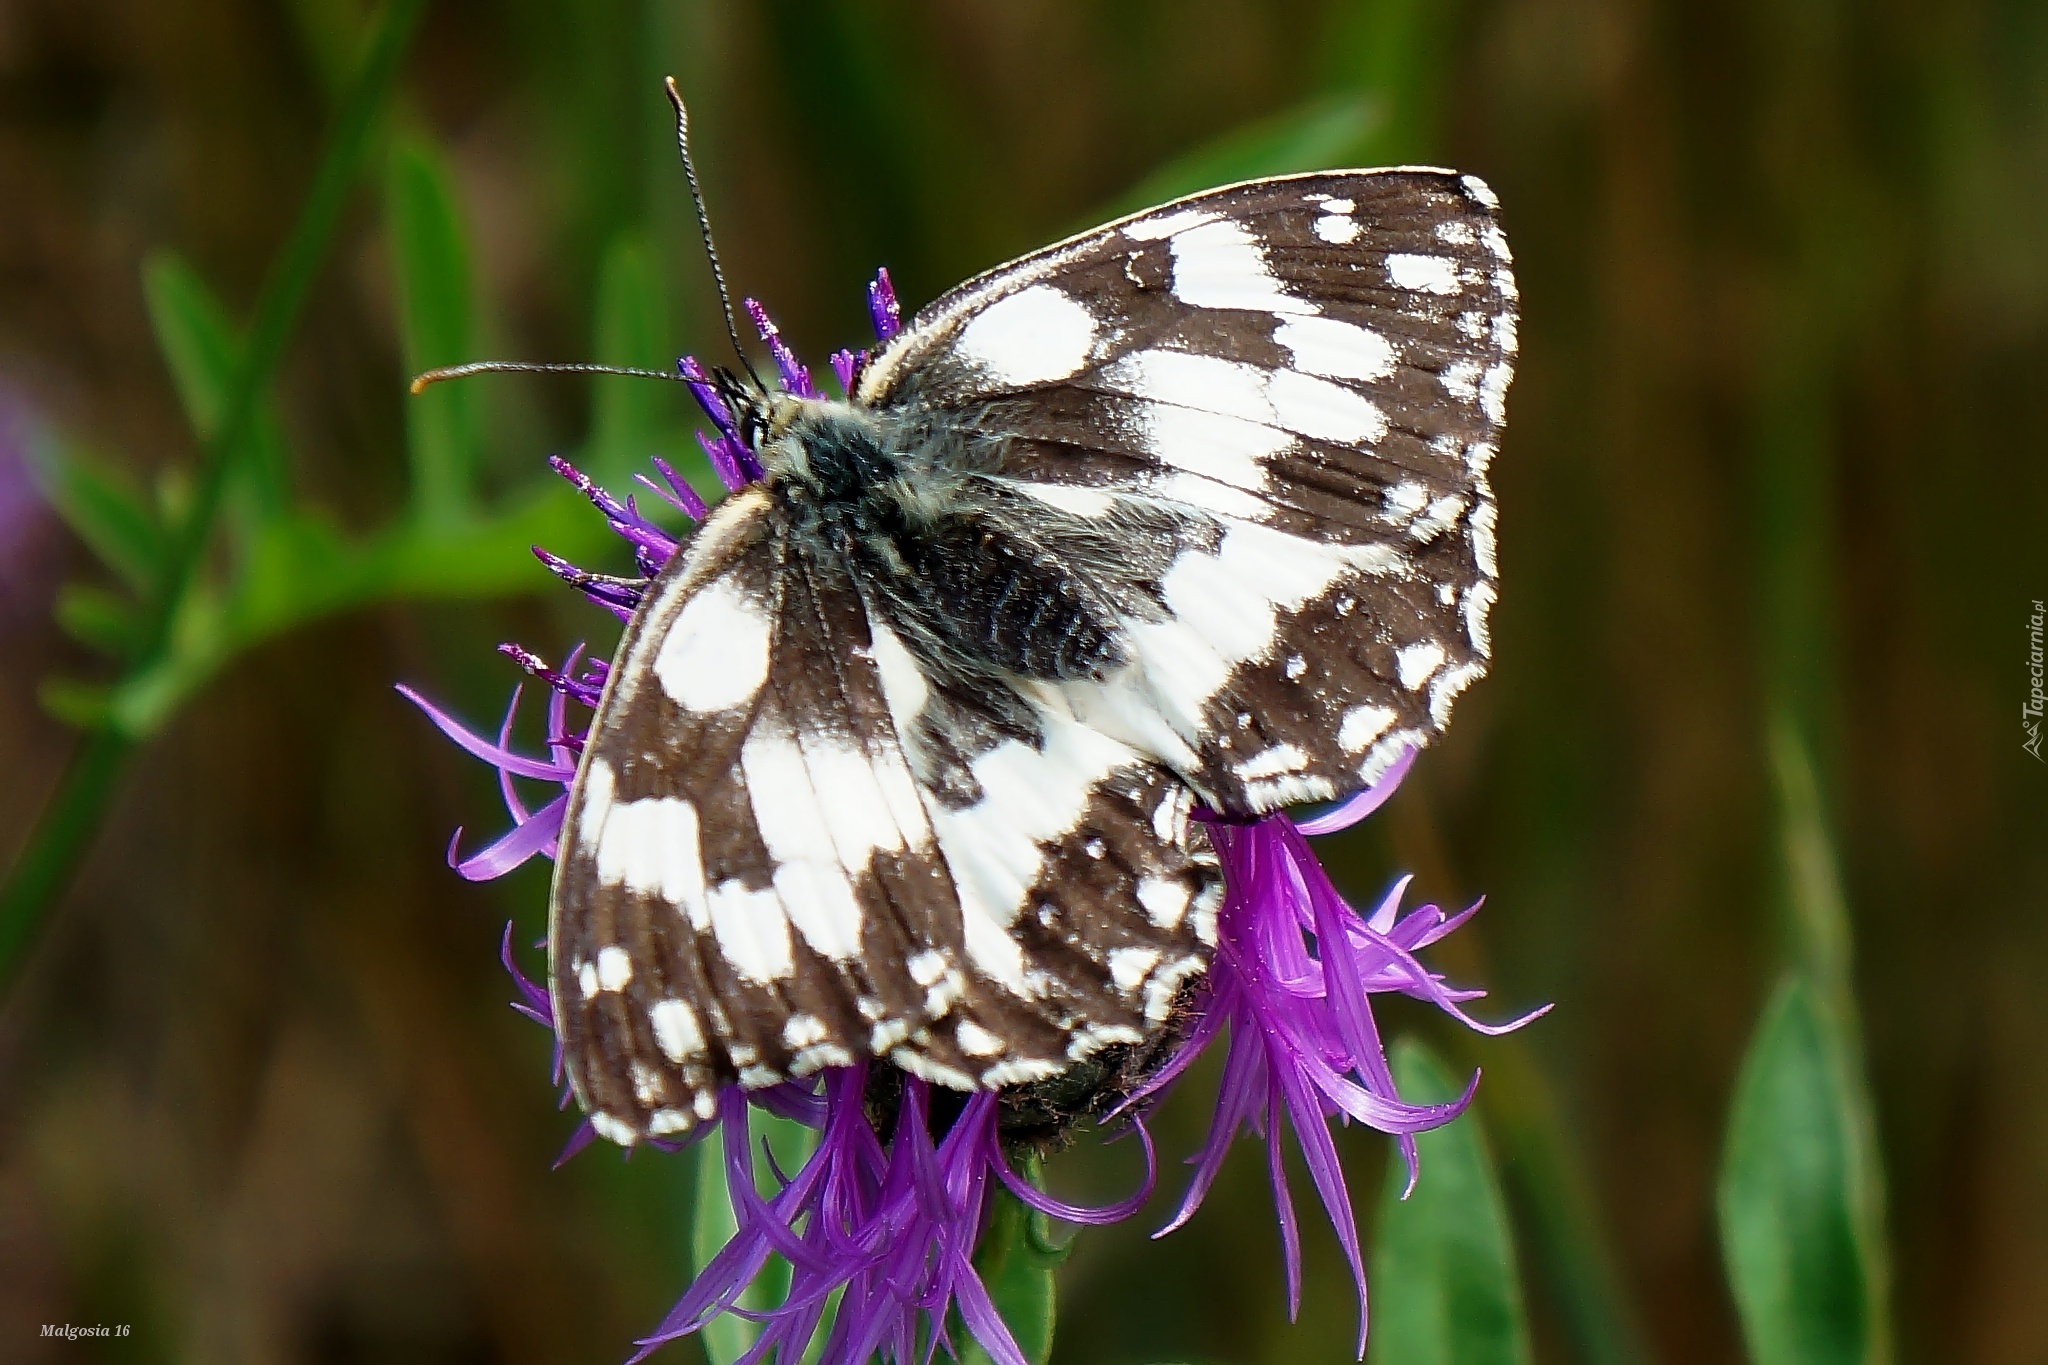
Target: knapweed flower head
{"type": "Point", "coordinates": [879, 1225]}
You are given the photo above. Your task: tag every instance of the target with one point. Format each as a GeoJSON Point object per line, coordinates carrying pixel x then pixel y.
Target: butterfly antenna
{"type": "Point", "coordinates": [420, 382]}
{"type": "Point", "coordinates": [732, 328]}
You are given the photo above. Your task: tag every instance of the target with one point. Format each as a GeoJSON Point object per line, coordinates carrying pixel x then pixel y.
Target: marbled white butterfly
{"type": "Point", "coordinates": [898, 757]}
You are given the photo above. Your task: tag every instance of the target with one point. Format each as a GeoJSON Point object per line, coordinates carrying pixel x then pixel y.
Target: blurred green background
{"type": "Point", "coordinates": [1774, 515]}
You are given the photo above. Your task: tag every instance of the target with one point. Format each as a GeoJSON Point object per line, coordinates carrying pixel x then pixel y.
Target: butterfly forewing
{"type": "Point", "coordinates": [754, 883]}
{"type": "Point", "coordinates": [1315, 369]}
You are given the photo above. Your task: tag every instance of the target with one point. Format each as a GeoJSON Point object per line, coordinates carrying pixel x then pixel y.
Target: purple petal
{"type": "Point", "coordinates": [496, 755]}
{"type": "Point", "coordinates": [535, 836]}
{"type": "Point", "coordinates": [883, 309]}
{"type": "Point", "coordinates": [1349, 813]}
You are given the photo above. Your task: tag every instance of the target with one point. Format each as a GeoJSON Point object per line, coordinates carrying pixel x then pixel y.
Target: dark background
{"type": "Point", "coordinates": [259, 1096]}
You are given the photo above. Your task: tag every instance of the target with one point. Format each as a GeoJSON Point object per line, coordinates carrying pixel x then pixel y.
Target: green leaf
{"type": "Point", "coordinates": [1323, 134]}
{"type": "Point", "coordinates": [1444, 1285]}
{"type": "Point", "coordinates": [1015, 1261]}
{"type": "Point", "coordinates": [430, 253]}
{"type": "Point", "coordinates": [727, 1337]}
{"type": "Point", "coordinates": [1789, 1189]}
{"type": "Point", "coordinates": [102, 620]}
{"type": "Point", "coordinates": [196, 336]}
{"type": "Point", "coordinates": [203, 348]}
{"type": "Point", "coordinates": [82, 704]}
{"type": "Point", "coordinates": [110, 513]}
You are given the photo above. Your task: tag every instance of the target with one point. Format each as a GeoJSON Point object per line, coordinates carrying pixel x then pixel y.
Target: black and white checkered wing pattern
{"type": "Point", "coordinates": [1313, 370]}
{"type": "Point", "coordinates": [753, 884]}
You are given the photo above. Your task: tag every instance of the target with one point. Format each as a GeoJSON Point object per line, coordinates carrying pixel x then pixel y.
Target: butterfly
{"type": "Point", "coordinates": [902, 754]}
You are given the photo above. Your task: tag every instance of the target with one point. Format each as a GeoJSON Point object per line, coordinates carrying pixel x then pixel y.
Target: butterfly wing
{"type": "Point", "coordinates": [753, 883]}
{"type": "Point", "coordinates": [1312, 371]}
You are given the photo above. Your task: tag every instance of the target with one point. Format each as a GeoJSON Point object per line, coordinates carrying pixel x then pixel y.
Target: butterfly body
{"type": "Point", "coordinates": [898, 756]}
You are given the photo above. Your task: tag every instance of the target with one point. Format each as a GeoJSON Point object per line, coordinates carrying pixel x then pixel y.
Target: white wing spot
{"type": "Point", "coordinates": [662, 1122]}
{"type": "Point", "coordinates": [1128, 967]}
{"type": "Point", "coordinates": [1446, 688]}
{"type": "Point", "coordinates": [822, 814]}
{"type": "Point", "coordinates": [1441, 515]}
{"type": "Point", "coordinates": [1328, 412]}
{"type": "Point", "coordinates": [1362, 725]}
{"type": "Point", "coordinates": [614, 968]}
{"type": "Point", "coordinates": [1414, 663]}
{"type": "Point", "coordinates": [1422, 274]}
{"type": "Point", "coordinates": [586, 979]}
{"type": "Point", "coordinates": [903, 680]}
{"type": "Point", "coordinates": [1457, 232]}
{"type": "Point", "coordinates": [1482, 539]}
{"type": "Point", "coordinates": [1088, 1041]}
{"type": "Point", "coordinates": [887, 1035]}
{"type": "Point", "coordinates": [1018, 1072]}
{"type": "Point", "coordinates": [1461, 380]}
{"type": "Point", "coordinates": [752, 931]}
{"type": "Point", "coordinates": [977, 1041]}
{"type": "Point", "coordinates": [1165, 901]}
{"type": "Point", "coordinates": [1493, 391]}
{"type": "Point", "coordinates": [1068, 497]}
{"type": "Point", "coordinates": [924, 1068]}
{"type": "Point", "coordinates": [1401, 502]}
{"type": "Point", "coordinates": [1034, 336]}
{"type": "Point", "coordinates": [1480, 190]}
{"type": "Point", "coordinates": [1338, 229]}
{"type": "Point", "coordinates": [715, 655]}
{"type": "Point", "coordinates": [1478, 600]}
{"type": "Point", "coordinates": [1220, 265]}
{"type": "Point", "coordinates": [614, 1129]}
{"type": "Point", "coordinates": [1281, 758]}
{"type": "Point", "coordinates": [598, 784]}
{"type": "Point", "coordinates": [650, 847]}
{"type": "Point", "coordinates": [1152, 229]}
{"type": "Point", "coordinates": [676, 1030]}
{"type": "Point", "coordinates": [1336, 349]}
{"type": "Point", "coordinates": [648, 1087]}
{"type": "Point", "coordinates": [802, 1031]}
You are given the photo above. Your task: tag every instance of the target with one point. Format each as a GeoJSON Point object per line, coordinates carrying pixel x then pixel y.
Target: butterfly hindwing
{"type": "Point", "coordinates": [1312, 370]}
{"type": "Point", "coordinates": [758, 875]}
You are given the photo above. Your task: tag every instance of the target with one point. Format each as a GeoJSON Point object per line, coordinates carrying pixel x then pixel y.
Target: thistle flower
{"type": "Point", "coordinates": [880, 1223]}
{"type": "Point", "coordinates": [1291, 986]}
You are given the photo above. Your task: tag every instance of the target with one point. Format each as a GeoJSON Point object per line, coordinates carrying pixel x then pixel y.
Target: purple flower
{"type": "Point", "coordinates": [885, 1226]}
{"type": "Point", "coordinates": [889, 1227]}
{"type": "Point", "coordinates": [1292, 985]}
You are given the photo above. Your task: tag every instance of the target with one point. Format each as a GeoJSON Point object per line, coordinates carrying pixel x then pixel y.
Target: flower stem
{"type": "Point", "coordinates": [66, 827]}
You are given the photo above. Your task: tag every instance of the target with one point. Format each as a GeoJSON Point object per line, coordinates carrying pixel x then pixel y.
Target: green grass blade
{"type": "Point", "coordinates": [1015, 1265]}
{"type": "Point", "coordinates": [630, 418]}
{"type": "Point", "coordinates": [1444, 1285]}
{"type": "Point", "coordinates": [727, 1337]}
{"type": "Point", "coordinates": [1788, 1192]}
{"type": "Point", "coordinates": [112, 515]}
{"type": "Point", "coordinates": [430, 256]}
